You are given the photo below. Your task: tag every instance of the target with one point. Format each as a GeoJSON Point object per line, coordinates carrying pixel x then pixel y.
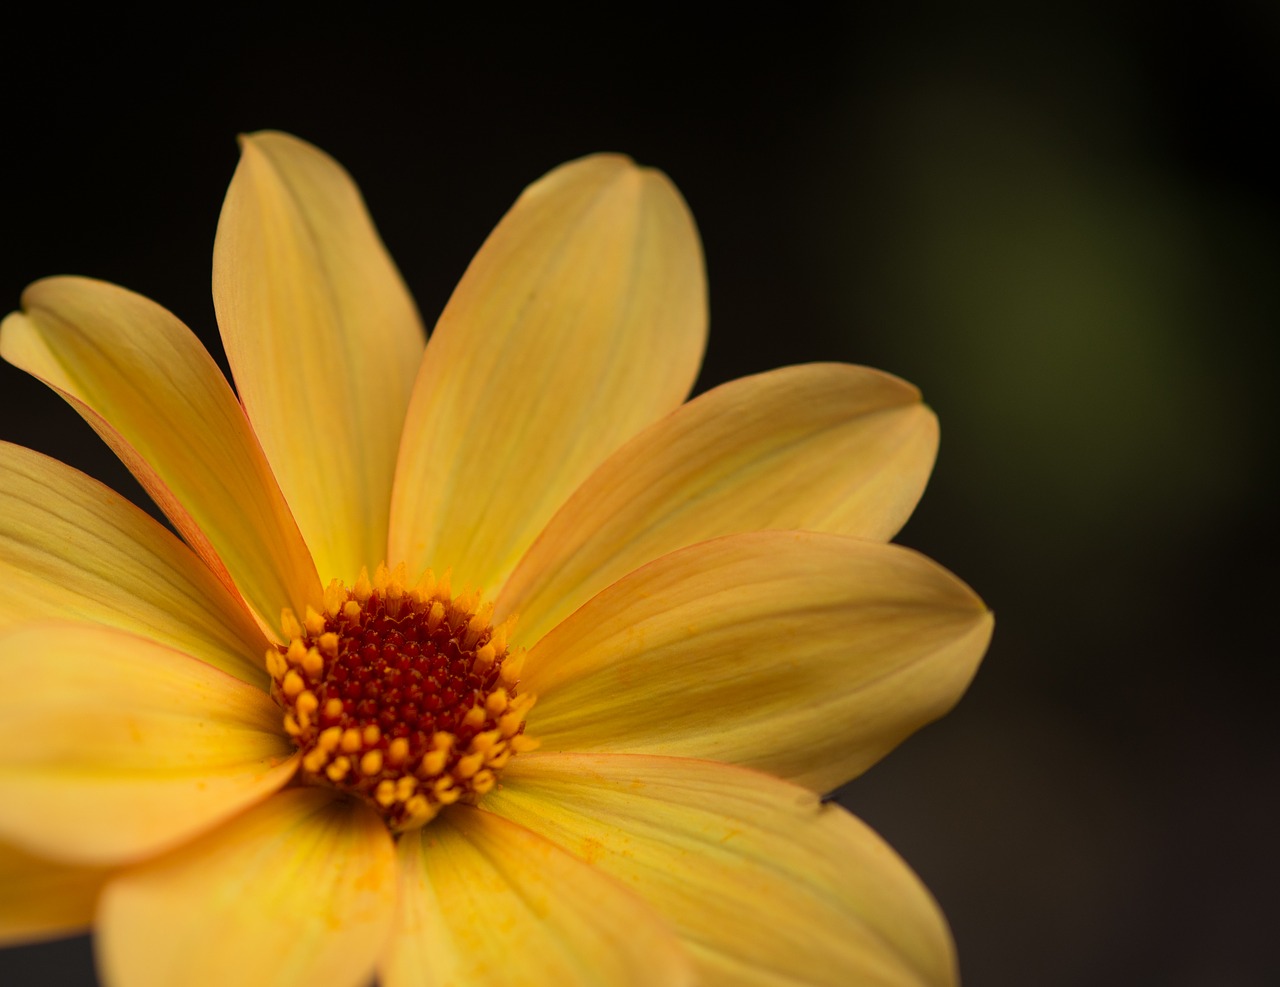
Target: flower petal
{"type": "Point", "coordinates": [805, 655]}
{"type": "Point", "coordinates": [823, 447]}
{"type": "Point", "coordinates": [147, 386]}
{"type": "Point", "coordinates": [300, 890]}
{"type": "Point", "coordinates": [40, 899]}
{"type": "Point", "coordinates": [71, 548]}
{"type": "Point", "coordinates": [486, 903]}
{"type": "Point", "coordinates": [765, 884]}
{"type": "Point", "coordinates": [581, 320]}
{"type": "Point", "coordinates": [113, 748]}
{"type": "Point", "coordinates": [323, 339]}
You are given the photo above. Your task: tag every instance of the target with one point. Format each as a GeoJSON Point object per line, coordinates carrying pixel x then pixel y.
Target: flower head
{"type": "Point", "coordinates": [484, 660]}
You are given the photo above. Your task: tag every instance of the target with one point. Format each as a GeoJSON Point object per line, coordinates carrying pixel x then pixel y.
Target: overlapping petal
{"type": "Point", "coordinates": [148, 387]}
{"type": "Point", "coordinates": [324, 341]}
{"type": "Point", "coordinates": [296, 892]}
{"type": "Point", "coordinates": [822, 447]}
{"type": "Point", "coordinates": [765, 884]}
{"type": "Point", "coordinates": [802, 654]}
{"type": "Point", "coordinates": [486, 903]}
{"type": "Point", "coordinates": [72, 548]}
{"type": "Point", "coordinates": [114, 748]}
{"type": "Point", "coordinates": [41, 899]}
{"type": "Point", "coordinates": [581, 320]}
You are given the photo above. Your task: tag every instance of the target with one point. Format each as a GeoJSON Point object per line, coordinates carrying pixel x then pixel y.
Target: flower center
{"type": "Point", "coordinates": [404, 696]}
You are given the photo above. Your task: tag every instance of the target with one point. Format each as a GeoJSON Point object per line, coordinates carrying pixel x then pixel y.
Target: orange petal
{"type": "Point", "coordinates": [823, 447]}
{"type": "Point", "coordinates": [764, 884]}
{"type": "Point", "coordinates": [323, 339]}
{"type": "Point", "coordinates": [581, 320]}
{"type": "Point", "coordinates": [298, 891]}
{"type": "Point", "coordinates": [71, 548]}
{"type": "Point", "coordinates": [114, 748]}
{"type": "Point", "coordinates": [486, 903]}
{"type": "Point", "coordinates": [40, 899]}
{"type": "Point", "coordinates": [148, 387]}
{"type": "Point", "coordinates": [802, 654]}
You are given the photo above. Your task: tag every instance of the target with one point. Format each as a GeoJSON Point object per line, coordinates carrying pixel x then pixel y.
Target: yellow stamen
{"type": "Point", "coordinates": [496, 703]}
{"type": "Point", "coordinates": [468, 765]}
{"type": "Point", "coordinates": [363, 589]}
{"type": "Point", "coordinates": [433, 763]}
{"type": "Point", "coordinates": [289, 624]}
{"type": "Point", "coordinates": [351, 741]}
{"type": "Point", "coordinates": [397, 752]}
{"type": "Point", "coordinates": [312, 663]}
{"type": "Point", "coordinates": [485, 657]}
{"type": "Point", "coordinates": [334, 597]}
{"type": "Point", "coordinates": [292, 685]}
{"type": "Point", "coordinates": [314, 622]}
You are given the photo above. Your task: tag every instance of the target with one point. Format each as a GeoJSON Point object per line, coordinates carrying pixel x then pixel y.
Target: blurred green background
{"type": "Point", "coordinates": [1060, 222]}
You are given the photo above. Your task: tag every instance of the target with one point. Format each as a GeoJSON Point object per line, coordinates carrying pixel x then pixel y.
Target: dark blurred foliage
{"type": "Point", "coordinates": [1059, 220]}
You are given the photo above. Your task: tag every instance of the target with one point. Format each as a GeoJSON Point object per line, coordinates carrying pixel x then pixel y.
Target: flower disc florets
{"type": "Point", "coordinates": [404, 696]}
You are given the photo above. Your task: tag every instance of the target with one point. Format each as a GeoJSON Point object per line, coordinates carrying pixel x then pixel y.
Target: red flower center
{"type": "Point", "coordinates": [404, 696]}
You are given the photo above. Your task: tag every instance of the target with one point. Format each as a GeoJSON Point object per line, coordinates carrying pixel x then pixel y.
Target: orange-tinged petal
{"type": "Point", "coordinates": [823, 447]}
{"type": "Point", "coordinates": [323, 339]}
{"type": "Point", "coordinates": [486, 903]}
{"type": "Point", "coordinates": [148, 387]}
{"type": "Point", "coordinates": [114, 748]}
{"type": "Point", "coordinates": [802, 654]}
{"type": "Point", "coordinates": [765, 884]}
{"type": "Point", "coordinates": [41, 899]}
{"type": "Point", "coordinates": [71, 548]}
{"type": "Point", "coordinates": [581, 320]}
{"type": "Point", "coordinates": [298, 891]}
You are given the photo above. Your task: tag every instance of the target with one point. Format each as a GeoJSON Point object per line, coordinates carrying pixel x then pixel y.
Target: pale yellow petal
{"type": "Point", "coordinates": [581, 320]}
{"type": "Point", "coordinates": [486, 903]}
{"type": "Point", "coordinates": [148, 387]}
{"type": "Point", "coordinates": [114, 748]}
{"type": "Point", "coordinates": [323, 339]}
{"type": "Point", "coordinates": [41, 899]}
{"type": "Point", "coordinates": [823, 447]}
{"type": "Point", "coordinates": [802, 654]}
{"type": "Point", "coordinates": [765, 884]}
{"type": "Point", "coordinates": [298, 892]}
{"type": "Point", "coordinates": [71, 548]}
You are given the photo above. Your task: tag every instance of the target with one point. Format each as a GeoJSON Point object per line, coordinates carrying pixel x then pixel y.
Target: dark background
{"type": "Point", "coordinates": [1061, 223]}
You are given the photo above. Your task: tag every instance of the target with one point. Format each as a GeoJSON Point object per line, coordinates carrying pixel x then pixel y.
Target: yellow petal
{"type": "Point", "coordinates": [823, 447]}
{"type": "Point", "coordinates": [763, 882]}
{"type": "Point", "coordinates": [40, 899]}
{"type": "Point", "coordinates": [485, 903]}
{"type": "Point", "coordinates": [71, 548]}
{"type": "Point", "coordinates": [323, 339]}
{"type": "Point", "coordinates": [581, 320]}
{"type": "Point", "coordinates": [298, 891]}
{"type": "Point", "coordinates": [805, 655]}
{"type": "Point", "coordinates": [113, 748]}
{"type": "Point", "coordinates": [148, 387]}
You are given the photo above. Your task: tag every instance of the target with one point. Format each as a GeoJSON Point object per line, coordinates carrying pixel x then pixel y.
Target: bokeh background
{"type": "Point", "coordinates": [1059, 220]}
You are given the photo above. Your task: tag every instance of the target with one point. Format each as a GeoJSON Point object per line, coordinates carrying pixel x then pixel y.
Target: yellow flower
{"type": "Point", "coordinates": [262, 757]}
